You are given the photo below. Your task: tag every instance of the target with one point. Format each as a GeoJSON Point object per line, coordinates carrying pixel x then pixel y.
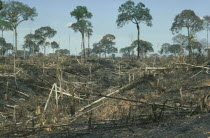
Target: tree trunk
{"type": "Point", "coordinates": [207, 37]}
{"type": "Point", "coordinates": [2, 33]}
{"type": "Point", "coordinates": [45, 50]}
{"type": "Point", "coordinates": [138, 49]}
{"type": "Point", "coordinates": [88, 45]}
{"type": "Point", "coordinates": [83, 45]}
{"type": "Point", "coordinates": [24, 55]}
{"type": "Point", "coordinates": [189, 45]}
{"type": "Point", "coordinates": [105, 53]}
{"type": "Point", "coordinates": [33, 51]}
{"type": "Point", "coordinates": [15, 29]}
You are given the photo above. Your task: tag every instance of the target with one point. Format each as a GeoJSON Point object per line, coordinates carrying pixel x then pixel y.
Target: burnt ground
{"type": "Point", "coordinates": [154, 97]}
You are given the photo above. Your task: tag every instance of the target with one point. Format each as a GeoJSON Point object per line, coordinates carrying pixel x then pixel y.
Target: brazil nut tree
{"type": "Point", "coordinates": [188, 20]}
{"type": "Point", "coordinates": [137, 14]}
{"type": "Point", "coordinates": [81, 14]}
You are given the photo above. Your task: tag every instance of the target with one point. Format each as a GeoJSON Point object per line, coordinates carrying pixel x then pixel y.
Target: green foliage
{"type": "Point", "coordinates": [4, 46]}
{"type": "Point", "coordinates": [129, 12]}
{"type": "Point", "coordinates": [164, 48]}
{"type": "Point", "coordinates": [81, 26]}
{"type": "Point", "coordinates": [5, 26]}
{"type": "Point", "coordinates": [46, 32]}
{"type": "Point", "coordinates": [206, 22]}
{"type": "Point", "coordinates": [174, 49]}
{"type": "Point", "coordinates": [107, 44]}
{"type": "Point", "coordinates": [182, 40]}
{"type": "Point", "coordinates": [32, 42]}
{"type": "Point", "coordinates": [97, 49]}
{"type": "Point", "coordinates": [144, 48]}
{"type": "Point", "coordinates": [81, 13]}
{"type": "Point", "coordinates": [62, 52]}
{"type": "Point", "coordinates": [167, 48]}
{"type": "Point", "coordinates": [86, 49]}
{"type": "Point", "coordinates": [197, 46]}
{"type": "Point", "coordinates": [126, 51]}
{"type": "Point", "coordinates": [1, 4]}
{"type": "Point", "coordinates": [16, 12]}
{"type": "Point", "coordinates": [54, 45]}
{"type": "Point", "coordinates": [189, 20]}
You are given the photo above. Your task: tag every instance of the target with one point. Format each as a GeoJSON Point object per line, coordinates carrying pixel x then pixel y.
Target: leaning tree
{"type": "Point", "coordinates": [15, 13]}
{"type": "Point", "coordinates": [129, 12]}
{"type": "Point", "coordinates": [81, 14]}
{"type": "Point", "coordinates": [187, 19]}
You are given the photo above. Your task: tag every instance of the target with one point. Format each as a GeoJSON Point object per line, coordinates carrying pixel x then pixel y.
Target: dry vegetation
{"type": "Point", "coordinates": [58, 97]}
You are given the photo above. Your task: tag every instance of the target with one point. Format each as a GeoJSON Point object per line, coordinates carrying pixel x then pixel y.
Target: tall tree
{"type": "Point", "coordinates": [175, 49]}
{"type": "Point", "coordinates": [197, 46]}
{"type": "Point", "coordinates": [129, 12]}
{"type": "Point", "coordinates": [167, 48]}
{"type": "Point", "coordinates": [46, 33]}
{"type": "Point", "coordinates": [7, 47]}
{"type": "Point", "coordinates": [189, 20]}
{"type": "Point", "coordinates": [206, 25]}
{"type": "Point", "coordinates": [126, 51]}
{"type": "Point", "coordinates": [54, 45]}
{"type": "Point", "coordinates": [15, 13]}
{"type": "Point", "coordinates": [107, 43]}
{"type": "Point", "coordinates": [164, 48]}
{"type": "Point", "coordinates": [97, 49]}
{"type": "Point", "coordinates": [89, 34]}
{"type": "Point", "coordinates": [182, 40]}
{"type": "Point", "coordinates": [144, 48]}
{"type": "Point", "coordinates": [32, 42]}
{"type": "Point", "coordinates": [81, 26]}
{"type": "Point", "coordinates": [81, 14]}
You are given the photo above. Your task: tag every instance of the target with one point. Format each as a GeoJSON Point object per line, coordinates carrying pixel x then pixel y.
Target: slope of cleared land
{"type": "Point", "coordinates": [57, 97]}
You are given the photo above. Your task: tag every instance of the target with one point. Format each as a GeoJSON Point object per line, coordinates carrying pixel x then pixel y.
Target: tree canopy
{"type": "Point", "coordinates": [129, 12]}
{"type": "Point", "coordinates": [144, 48]}
{"type": "Point", "coordinates": [189, 20]}
{"type": "Point", "coordinates": [81, 13]}
{"type": "Point", "coordinates": [62, 52]}
{"type": "Point", "coordinates": [45, 33]}
{"type": "Point", "coordinates": [107, 44]}
{"type": "Point", "coordinates": [15, 12]}
{"type": "Point", "coordinates": [54, 45]}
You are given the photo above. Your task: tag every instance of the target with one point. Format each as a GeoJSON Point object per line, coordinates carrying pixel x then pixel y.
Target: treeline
{"type": "Point", "coordinates": [14, 13]}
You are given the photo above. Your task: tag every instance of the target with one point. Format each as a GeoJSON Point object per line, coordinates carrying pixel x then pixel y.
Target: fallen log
{"type": "Point", "coordinates": [92, 105]}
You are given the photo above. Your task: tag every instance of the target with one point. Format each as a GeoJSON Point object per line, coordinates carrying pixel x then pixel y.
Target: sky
{"type": "Point", "coordinates": [56, 14]}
